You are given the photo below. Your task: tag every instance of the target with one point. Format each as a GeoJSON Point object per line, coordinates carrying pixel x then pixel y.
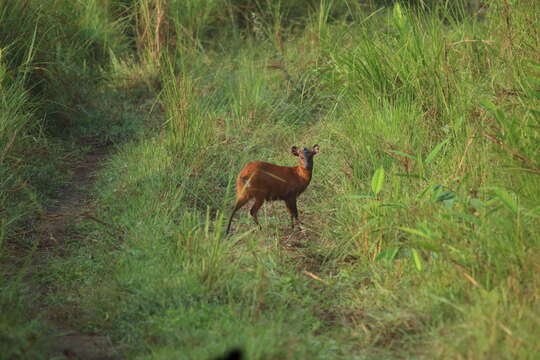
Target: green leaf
{"type": "Point", "coordinates": [422, 193]}
{"type": "Point", "coordinates": [499, 115]}
{"type": "Point", "coordinates": [506, 198]}
{"type": "Point", "coordinates": [377, 180]}
{"type": "Point", "coordinates": [427, 246]}
{"type": "Point", "coordinates": [399, 18]}
{"type": "Point", "coordinates": [470, 218]}
{"type": "Point", "coordinates": [412, 157]}
{"type": "Point", "coordinates": [445, 195]}
{"type": "Point", "coordinates": [488, 105]}
{"type": "Point", "coordinates": [533, 81]}
{"type": "Point", "coordinates": [435, 151]}
{"type": "Point", "coordinates": [449, 203]}
{"type": "Point", "coordinates": [534, 66]}
{"type": "Point", "coordinates": [417, 259]}
{"type": "Point", "coordinates": [388, 254]}
{"type": "Point", "coordinates": [397, 13]}
{"type": "Point", "coordinates": [477, 203]}
{"type": "Point", "coordinates": [395, 204]}
{"type": "Point", "coordinates": [414, 232]}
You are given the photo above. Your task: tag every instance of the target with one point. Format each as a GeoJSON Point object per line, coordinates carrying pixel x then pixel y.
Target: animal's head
{"type": "Point", "coordinates": [306, 156]}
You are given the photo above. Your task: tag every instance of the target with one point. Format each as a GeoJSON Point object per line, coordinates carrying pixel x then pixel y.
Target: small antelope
{"type": "Point", "coordinates": [264, 181]}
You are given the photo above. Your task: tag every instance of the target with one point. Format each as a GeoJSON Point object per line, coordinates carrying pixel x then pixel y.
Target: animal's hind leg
{"type": "Point", "coordinates": [255, 208]}
{"type": "Point", "coordinates": [239, 203]}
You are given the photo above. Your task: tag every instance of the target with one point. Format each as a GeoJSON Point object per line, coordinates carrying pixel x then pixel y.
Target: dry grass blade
{"type": "Point", "coordinates": [489, 42]}
{"type": "Point", "coordinates": [516, 153]}
{"type": "Point", "coordinates": [313, 276]}
{"type": "Point", "coordinates": [467, 276]}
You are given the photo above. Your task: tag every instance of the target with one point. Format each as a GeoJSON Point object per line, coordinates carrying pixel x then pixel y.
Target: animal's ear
{"type": "Point", "coordinates": [315, 149]}
{"type": "Point", "coordinates": [294, 151]}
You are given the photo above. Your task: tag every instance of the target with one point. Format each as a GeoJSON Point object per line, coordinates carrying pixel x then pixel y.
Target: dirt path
{"type": "Point", "coordinates": [53, 230]}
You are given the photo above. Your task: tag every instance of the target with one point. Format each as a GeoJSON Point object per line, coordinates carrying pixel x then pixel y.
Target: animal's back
{"type": "Point", "coordinates": [264, 179]}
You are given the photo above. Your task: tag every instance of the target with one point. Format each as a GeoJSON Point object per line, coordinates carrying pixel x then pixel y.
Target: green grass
{"type": "Point", "coordinates": [422, 219]}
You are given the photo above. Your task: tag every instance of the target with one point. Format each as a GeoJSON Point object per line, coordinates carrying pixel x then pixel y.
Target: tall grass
{"type": "Point", "coordinates": [16, 115]}
{"type": "Point", "coordinates": [69, 41]}
{"type": "Point", "coordinates": [414, 103]}
{"type": "Point", "coordinates": [19, 200]}
{"type": "Point", "coordinates": [51, 58]}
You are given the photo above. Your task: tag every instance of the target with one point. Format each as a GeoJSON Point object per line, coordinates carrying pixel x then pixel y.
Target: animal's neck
{"type": "Point", "coordinates": [304, 173]}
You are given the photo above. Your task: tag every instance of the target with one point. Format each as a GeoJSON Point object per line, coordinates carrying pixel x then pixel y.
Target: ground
{"type": "Point", "coordinates": [53, 230]}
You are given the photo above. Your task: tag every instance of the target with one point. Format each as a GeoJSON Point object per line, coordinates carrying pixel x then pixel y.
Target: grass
{"type": "Point", "coordinates": [421, 222]}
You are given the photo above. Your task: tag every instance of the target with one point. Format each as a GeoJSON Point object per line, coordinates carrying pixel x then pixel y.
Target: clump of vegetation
{"type": "Point", "coordinates": [53, 60]}
{"type": "Point", "coordinates": [421, 221]}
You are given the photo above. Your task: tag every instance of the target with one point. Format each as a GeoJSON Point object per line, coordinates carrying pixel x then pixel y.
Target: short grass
{"type": "Point", "coordinates": [421, 222]}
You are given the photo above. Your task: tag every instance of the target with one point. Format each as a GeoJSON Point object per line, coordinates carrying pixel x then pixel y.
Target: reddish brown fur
{"type": "Point", "coordinates": [263, 181]}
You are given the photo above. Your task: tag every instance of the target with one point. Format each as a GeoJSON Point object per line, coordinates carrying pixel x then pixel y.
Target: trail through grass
{"type": "Point", "coordinates": [52, 233]}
